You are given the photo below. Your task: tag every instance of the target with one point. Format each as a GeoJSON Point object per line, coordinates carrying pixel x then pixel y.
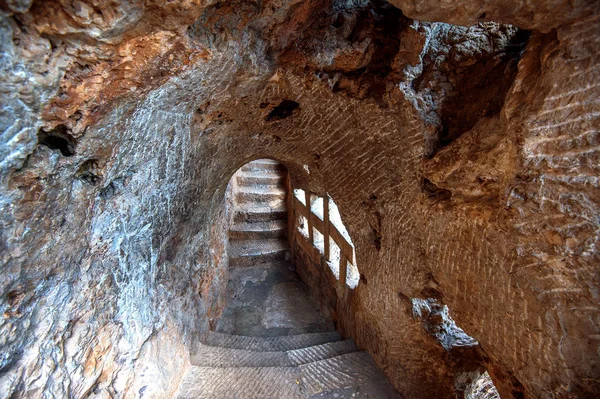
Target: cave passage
{"type": "Point", "coordinates": [267, 297]}
{"type": "Point", "coordinates": [273, 340]}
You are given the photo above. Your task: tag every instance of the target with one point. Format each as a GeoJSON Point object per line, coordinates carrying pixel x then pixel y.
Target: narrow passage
{"type": "Point", "coordinates": [272, 341]}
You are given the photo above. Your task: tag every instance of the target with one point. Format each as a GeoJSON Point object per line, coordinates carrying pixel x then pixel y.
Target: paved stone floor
{"type": "Point", "coordinates": [272, 342]}
{"type": "Point", "coordinates": [270, 300]}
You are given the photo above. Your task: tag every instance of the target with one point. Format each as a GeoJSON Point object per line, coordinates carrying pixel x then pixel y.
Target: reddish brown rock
{"type": "Point", "coordinates": [540, 15]}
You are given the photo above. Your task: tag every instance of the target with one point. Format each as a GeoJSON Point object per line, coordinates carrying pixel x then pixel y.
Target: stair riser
{"type": "Point", "coordinates": [271, 344]}
{"type": "Point", "coordinates": [260, 217]}
{"type": "Point", "coordinates": [253, 235]}
{"type": "Point", "coordinates": [259, 198]}
{"type": "Point", "coordinates": [253, 260]}
{"type": "Point", "coordinates": [269, 181]}
{"type": "Point", "coordinates": [227, 357]}
{"type": "Point", "coordinates": [263, 168]}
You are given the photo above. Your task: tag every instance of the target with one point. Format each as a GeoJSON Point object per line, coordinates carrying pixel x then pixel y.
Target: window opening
{"type": "Point", "coordinates": [436, 320]}
{"type": "Point", "coordinates": [300, 195]}
{"type": "Point", "coordinates": [316, 206]}
{"type": "Point", "coordinates": [352, 276]}
{"type": "Point", "coordinates": [483, 388]}
{"type": "Point", "coordinates": [319, 241]}
{"type": "Point", "coordinates": [336, 219]}
{"type": "Point", "coordinates": [320, 222]}
{"type": "Point", "coordinates": [334, 255]}
{"type": "Point", "coordinates": [303, 226]}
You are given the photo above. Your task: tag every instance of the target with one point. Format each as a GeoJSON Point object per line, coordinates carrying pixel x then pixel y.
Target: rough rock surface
{"type": "Point", "coordinates": [540, 15]}
{"type": "Point", "coordinates": [122, 124]}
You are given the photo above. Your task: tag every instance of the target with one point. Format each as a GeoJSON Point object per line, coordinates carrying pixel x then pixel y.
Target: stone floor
{"type": "Point", "coordinates": [272, 342]}
{"type": "Point", "coordinates": [268, 301]}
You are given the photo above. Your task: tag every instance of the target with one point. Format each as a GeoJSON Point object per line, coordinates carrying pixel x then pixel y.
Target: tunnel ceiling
{"type": "Point", "coordinates": [464, 160]}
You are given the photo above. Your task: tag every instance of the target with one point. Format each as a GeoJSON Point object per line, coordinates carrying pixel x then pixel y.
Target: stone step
{"type": "Point", "coordinates": [213, 356]}
{"type": "Point", "coordinates": [320, 352]}
{"type": "Point", "coordinates": [352, 375]}
{"type": "Point", "coordinates": [257, 247]}
{"type": "Point", "coordinates": [259, 166]}
{"type": "Point", "coordinates": [262, 178]}
{"type": "Point", "coordinates": [260, 213]}
{"type": "Point", "coordinates": [252, 252]}
{"type": "Point", "coordinates": [240, 382]}
{"type": "Point", "coordinates": [267, 266]}
{"type": "Point", "coordinates": [261, 195]}
{"type": "Point", "coordinates": [353, 370]}
{"type": "Point", "coordinates": [257, 230]}
{"type": "Point", "coordinates": [270, 344]}
{"type": "Point", "coordinates": [266, 161]}
{"type": "Point", "coordinates": [255, 259]}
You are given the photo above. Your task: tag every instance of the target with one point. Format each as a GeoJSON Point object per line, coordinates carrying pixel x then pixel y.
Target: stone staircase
{"type": "Point", "coordinates": [272, 341]}
{"type": "Point", "coordinates": [318, 365]}
{"type": "Point", "coordinates": [260, 218]}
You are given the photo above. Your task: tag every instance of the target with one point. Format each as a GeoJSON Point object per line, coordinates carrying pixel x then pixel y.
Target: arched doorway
{"type": "Point", "coordinates": [272, 339]}
{"type": "Point", "coordinates": [266, 296]}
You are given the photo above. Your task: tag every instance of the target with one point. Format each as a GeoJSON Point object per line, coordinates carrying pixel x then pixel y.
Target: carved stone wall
{"type": "Point", "coordinates": [121, 127]}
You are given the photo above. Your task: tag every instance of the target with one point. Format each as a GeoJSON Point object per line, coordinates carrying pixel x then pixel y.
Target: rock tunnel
{"type": "Point", "coordinates": [174, 175]}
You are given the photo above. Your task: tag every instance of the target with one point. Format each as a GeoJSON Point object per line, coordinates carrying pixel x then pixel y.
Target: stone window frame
{"type": "Point", "coordinates": [327, 240]}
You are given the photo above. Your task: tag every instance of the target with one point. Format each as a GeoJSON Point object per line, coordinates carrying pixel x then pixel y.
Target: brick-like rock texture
{"type": "Point", "coordinates": [123, 123]}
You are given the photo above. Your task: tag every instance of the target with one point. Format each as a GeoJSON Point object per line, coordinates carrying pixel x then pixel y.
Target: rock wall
{"type": "Point", "coordinates": [122, 125]}
{"type": "Point", "coordinates": [107, 267]}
